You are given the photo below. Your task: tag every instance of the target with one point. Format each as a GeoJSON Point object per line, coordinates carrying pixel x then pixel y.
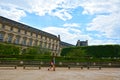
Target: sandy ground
{"type": "Point", "coordinates": [59, 74]}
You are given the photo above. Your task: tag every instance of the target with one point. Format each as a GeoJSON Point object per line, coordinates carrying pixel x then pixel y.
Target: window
{"type": "Point", "coordinates": [17, 40]}
{"type": "Point", "coordinates": [35, 44]}
{"type": "Point", "coordinates": [24, 41]}
{"type": "Point", "coordinates": [31, 34]}
{"type": "Point", "coordinates": [30, 43]}
{"type": "Point", "coordinates": [25, 32]}
{"type": "Point", "coordinates": [1, 37]}
{"type": "Point", "coordinates": [56, 47]}
{"type": "Point", "coordinates": [40, 43]}
{"type": "Point", "coordinates": [19, 30]}
{"type": "Point", "coordinates": [9, 38]}
{"type": "Point", "coordinates": [45, 44]}
{"type": "Point", "coordinates": [36, 35]}
{"type": "Point", "coordinates": [49, 46]}
{"type": "Point", "coordinates": [45, 38]}
{"type": "Point", "coordinates": [11, 28]}
{"type": "Point", "coordinates": [52, 46]}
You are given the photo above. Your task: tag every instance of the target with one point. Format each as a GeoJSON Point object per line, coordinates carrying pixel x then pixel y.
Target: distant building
{"type": "Point", "coordinates": [82, 43]}
{"type": "Point", "coordinates": [64, 44]}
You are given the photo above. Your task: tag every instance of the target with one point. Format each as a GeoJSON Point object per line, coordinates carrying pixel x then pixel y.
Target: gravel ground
{"type": "Point", "coordinates": [59, 74]}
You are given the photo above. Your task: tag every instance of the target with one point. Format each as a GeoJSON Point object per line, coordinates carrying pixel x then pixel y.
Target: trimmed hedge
{"type": "Point", "coordinates": [72, 54]}
{"type": "Point", "coordinates": [8, 49]}
{"type": "Point", "coordinates": [93, 51]}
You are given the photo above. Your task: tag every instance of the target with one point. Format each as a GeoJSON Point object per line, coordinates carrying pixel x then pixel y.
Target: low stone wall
{"type": "Point", "coordinates": [60, 64]}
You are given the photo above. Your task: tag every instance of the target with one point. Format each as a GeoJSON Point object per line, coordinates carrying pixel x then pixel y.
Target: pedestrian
{"type": "Point", "coordinates": [52, 66]}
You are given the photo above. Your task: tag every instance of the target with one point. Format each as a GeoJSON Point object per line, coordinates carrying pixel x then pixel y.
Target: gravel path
{"type": "Point", "coordinates": [60, 74]}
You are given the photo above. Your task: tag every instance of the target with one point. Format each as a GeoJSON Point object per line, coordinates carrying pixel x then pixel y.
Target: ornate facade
{"type": "Point", "coordinates": [24, 35]}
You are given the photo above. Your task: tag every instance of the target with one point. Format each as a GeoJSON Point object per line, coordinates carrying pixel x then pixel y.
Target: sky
{"type": "Point", "coordinates": [97, 21]}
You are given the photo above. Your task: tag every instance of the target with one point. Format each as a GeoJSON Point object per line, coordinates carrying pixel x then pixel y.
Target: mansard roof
{"type": "Point", "coordinates": [66, 44]}
{"type": "Point", "coordinates": [25, 27]}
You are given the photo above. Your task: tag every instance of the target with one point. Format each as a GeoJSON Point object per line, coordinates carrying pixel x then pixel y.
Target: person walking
{"type": "Point", "coordinates": [52, 63]}
{"type": "Point", "coordinates": [52, 66]}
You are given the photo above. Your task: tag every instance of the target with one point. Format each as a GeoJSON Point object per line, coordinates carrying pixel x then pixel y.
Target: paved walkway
{"type": "Point", "coordinates": [60, 74]}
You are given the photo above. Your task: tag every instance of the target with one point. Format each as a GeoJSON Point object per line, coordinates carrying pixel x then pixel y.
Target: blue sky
{"type": "Point", "coordinates": [97, 21]}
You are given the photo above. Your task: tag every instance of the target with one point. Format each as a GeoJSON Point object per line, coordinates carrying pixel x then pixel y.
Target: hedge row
{"type": "Point", "coordinates": [58, 59]}
{"type": "Point", "coordinates": [93, 51]}
{"type": "Point", "coordinates": [8, 49]}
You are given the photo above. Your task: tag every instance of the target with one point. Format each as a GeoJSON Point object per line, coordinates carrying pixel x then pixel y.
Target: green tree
{"type": "Point", "coordinates": [9, 49]}
{"type": "Point", "coordinates": [37, 51]}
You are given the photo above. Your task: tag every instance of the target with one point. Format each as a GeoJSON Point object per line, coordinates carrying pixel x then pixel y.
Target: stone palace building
{"type": "Point", "coordinates": [25, 36]}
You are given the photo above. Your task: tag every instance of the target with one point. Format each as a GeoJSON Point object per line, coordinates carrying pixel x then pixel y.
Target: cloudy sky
{"type": "Point", "coordinates": [97, 21]}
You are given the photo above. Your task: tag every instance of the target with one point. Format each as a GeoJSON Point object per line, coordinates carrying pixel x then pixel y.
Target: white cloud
{"type": "Point", "coordinates": [93, 41]}
{"type": "Point", "coordinates": [11, 11]}
{"type": "Point", "coordinates": [106, 22]}
{"type": "Point", "coordinates": [101, 6]}
{"type": "Point", "coordinates": [71, 25]}
{"type": "Point", "coordinates": [108, 25]}
{"type": "Point", "coordinates": [66, 34]}
{"type": "Point", "coordinates": [62, 14]}
{"type": "Point", "coordinates": [60, 8]}
{"type": "Point", "coordinates": [39, 7]}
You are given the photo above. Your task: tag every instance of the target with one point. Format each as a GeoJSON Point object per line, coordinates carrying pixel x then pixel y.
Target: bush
{"type": "Point", "coordinates": [9, 49]}
{"type": "Point", "coordinates": [37, 51]}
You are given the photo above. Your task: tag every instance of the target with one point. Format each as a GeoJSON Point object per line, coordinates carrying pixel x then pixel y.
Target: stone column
{"type": "Point", "coordinates": [41, 44]}
{"type": "Point", "coordinates": [21, 38]}
{"type": "Point", "coordinates": [33, 42]}
{"type": "Point", "coordinates": [47, 45]}
{"type": "Point", "coordinates": [38, 43]}
{"type": "Point", "coordinates": [5, 37]}
{"type": "Point", "coordinates": [13, 38]}
{"type": "Point", "coordinates": [27, 41]}
{"type": "Point", "coordinates": [50, 45]}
